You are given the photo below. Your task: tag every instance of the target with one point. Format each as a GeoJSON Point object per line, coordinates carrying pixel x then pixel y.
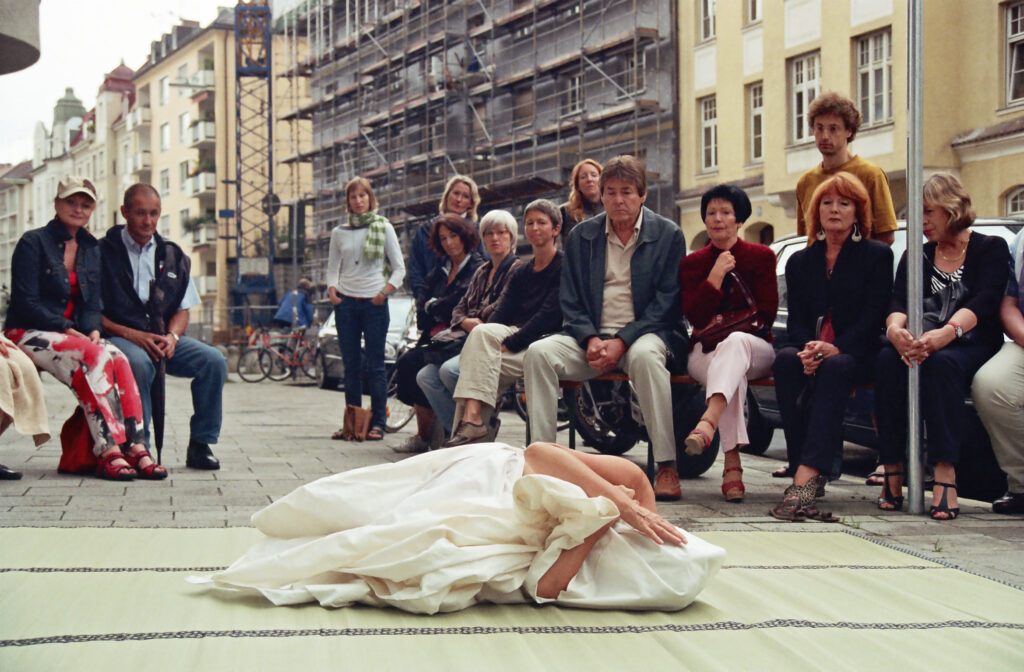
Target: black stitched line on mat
{"type": "Point", "coordinates": [502, 630]}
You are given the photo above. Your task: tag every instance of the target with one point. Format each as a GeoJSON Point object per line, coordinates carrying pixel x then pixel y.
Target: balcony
{"type": "Point", "coordinates": [206, 284]}
{"type": "Point", "coordinates": [203, 184]}
{"type": "Point", "coordinates": [142, 162]}
{"type": "Point", "coordinates": [204, 235]}
{"type": "Point", "coordinates": [203, 134]}
{"type": "Point", "coordinates": [138, 118]}
{"type": "Point", "coordinates": [201, 81]}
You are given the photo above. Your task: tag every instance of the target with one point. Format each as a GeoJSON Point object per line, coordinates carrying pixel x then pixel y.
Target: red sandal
{"type": "Point", "coordinates": [153, 472]}
{"type": "Point", "coordinates": [108, 471]}
{"type": "Point", "coordinates": [733, 490]}
{"type": "Point", "coordinates": [697, 441]}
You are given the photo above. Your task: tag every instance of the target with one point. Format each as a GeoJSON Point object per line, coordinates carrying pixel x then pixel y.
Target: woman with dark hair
{"type": "Point", "coordinates": [727, 274]}
{"type": "Point", "coordinates": [461, 197]}
{"type": "Point", "coordinates": [584, 197]}
{"type": "Point", "coordinates": [839, 289]}
{"type": "Point", "coordinates": [968, 271]}
{"type": "Point", "coordinates": [456, 238]}
{"type": "Point", "coordinates": [54, 318]}
{"type": "Point", "coordinates": [439, 376]}
{"type": "Point", "coordinates": [359, 283]}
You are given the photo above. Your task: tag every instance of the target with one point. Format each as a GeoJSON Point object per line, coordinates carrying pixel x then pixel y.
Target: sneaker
{"type": "Point", "coordinates": [414, 444]}
{"type": "Point", "coordinates": [666, 485]}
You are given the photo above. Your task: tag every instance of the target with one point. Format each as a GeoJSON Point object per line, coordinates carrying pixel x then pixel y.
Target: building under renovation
{"type": "Point", "coordinates": [408, 93]}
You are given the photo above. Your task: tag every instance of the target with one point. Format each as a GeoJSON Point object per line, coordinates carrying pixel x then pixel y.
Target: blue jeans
{"type": "Point", "coordinates": [192, 359]}
{"type": "Point", "coordinates": [438, 385]}
{"type": "Point", "coordinates": [359, 321]}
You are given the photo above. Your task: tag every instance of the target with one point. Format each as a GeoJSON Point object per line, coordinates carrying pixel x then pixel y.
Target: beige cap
{"type": "Point", "coordinates": [74, 184]}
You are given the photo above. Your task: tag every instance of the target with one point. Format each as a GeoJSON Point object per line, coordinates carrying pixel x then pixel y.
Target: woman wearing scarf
{"type": "Point", "coordinates": [363, 269]}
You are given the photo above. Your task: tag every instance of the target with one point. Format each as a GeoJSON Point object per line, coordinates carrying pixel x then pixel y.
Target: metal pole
{"type": "Point", "coordinates": [915, 161]}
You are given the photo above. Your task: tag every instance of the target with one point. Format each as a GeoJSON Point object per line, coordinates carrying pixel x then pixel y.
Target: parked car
{"type": "Point", "coordinates": [978, 475]}
{"type": "Point", "coordinates": [330, 371]}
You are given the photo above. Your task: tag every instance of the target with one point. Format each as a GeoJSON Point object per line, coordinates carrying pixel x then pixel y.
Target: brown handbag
{"type": "Point", "coordinates": [355, 423]}
{"type": "Point", "coordinates": [746, 319]}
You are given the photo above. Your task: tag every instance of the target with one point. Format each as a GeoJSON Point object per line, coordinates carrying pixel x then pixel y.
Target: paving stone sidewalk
{"type": "Point", "coordinates": [276, 436]}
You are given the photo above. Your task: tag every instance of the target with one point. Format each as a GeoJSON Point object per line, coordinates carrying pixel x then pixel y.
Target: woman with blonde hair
{"type": "Point", "coordinates": [838, 289]}
{"type": "Point", "coordinates": [584, 197]}
{"type": "Point", "coordinates": [461, 197]}
{"type": "Point", "coordinates": [965, 274]}
{"type": "Point", "coordinates": [359, 283]}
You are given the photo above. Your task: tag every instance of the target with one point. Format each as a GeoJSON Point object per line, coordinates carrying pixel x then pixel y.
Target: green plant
{"type": "Point", "coordinates": [193, 223]}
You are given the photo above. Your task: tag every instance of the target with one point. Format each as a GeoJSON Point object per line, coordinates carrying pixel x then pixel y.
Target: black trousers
{"type": "Point", "coordinates": [945, 382]}
{"type": "Point", "coordinates": [814, 426]}
{"type": "Point", "coordinates": [406, 388]}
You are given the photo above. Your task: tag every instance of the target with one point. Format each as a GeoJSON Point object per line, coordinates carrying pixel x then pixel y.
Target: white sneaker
{"type": "Point", "coordinates": [414, 444]}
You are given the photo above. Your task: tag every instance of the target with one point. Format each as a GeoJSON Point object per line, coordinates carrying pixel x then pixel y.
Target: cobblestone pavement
{"type": "Point", "coordinates": [276, 436]}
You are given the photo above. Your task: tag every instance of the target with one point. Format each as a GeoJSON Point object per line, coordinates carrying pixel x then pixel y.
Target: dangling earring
{"type": "Point", "coordinates": [820, 235]}
{"type": "Point", "coordinates": [856, 233]}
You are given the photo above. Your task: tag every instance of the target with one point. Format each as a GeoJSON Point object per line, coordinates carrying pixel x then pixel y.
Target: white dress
{"type": "Point", "coordinates": [450, 528]}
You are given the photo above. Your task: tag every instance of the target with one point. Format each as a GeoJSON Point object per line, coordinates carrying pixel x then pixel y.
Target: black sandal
{"type": "Point", "coordinates": [894, 502]}
{"type": "Point", "coordinates": [943, 505]}
{"type": "Point", "coordinates": [338, 435]}
{"type": "Point", "coordinates": [785, 472]}
{"type": "Point", "coordinates": [376, 433]}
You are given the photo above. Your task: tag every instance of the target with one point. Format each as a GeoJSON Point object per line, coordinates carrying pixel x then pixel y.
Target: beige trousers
{"type": "Point", "coordinates": [559, 357]}
{"type": "Point", "coordinates": [484, 370]}
{"type": "Point", "coordinates": [998, 392]}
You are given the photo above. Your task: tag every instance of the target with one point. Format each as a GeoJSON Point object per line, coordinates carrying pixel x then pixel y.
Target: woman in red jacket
{"type": "Point", "coordinates": [715, 280]}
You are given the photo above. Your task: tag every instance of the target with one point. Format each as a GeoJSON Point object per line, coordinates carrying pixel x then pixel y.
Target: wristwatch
{"type": "Point", "coordinates": [957, 328]}
{"type": "Point", "coordinates": [174, 336]}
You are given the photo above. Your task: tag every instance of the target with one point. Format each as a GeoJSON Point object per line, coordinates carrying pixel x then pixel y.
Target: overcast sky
{"type": "Point", "coordinates": [81, 41]}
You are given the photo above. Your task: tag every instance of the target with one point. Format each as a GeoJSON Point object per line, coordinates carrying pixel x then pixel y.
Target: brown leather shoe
{"type": "Point", "coordinates": [666, 485]}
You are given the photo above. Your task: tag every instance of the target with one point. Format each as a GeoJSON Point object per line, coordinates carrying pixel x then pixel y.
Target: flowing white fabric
{"type": "Point", "coordinates": [450, 528]}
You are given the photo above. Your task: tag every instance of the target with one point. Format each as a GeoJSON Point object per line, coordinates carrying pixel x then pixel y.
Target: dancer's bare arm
{"type": "Point", "coordinates": [598, 475]}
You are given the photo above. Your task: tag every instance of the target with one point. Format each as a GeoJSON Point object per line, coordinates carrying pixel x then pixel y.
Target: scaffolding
{"type": "Point", "coordinates": [408, 93]}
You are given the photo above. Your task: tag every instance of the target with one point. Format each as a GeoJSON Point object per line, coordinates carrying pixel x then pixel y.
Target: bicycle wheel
{"type": "Point", "coordinates": [399, 414]}
{"type": "Point", "coordinates": [280, 364]}
{"type": "Point", "coordinates": [519, 401]}
{"type": "Point", "coordinates": [307, 362]}
{"type": "Point", "coordinates": [250, 367]}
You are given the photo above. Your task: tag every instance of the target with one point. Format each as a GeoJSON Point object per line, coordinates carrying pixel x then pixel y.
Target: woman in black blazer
{"type": "Point", "coordinates": [838, 289]}
{"type": "Point", "coordinates": [950, 354]}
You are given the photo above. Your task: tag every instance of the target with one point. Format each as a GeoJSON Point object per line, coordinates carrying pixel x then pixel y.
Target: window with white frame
{"type": "Point", "coordinates": [573, 96]}
{"type": "Point", "coordinates": [708, 133]}
{"type": "Point", "coordinates": [1015, 53]}
{"type": "Point", "coordinates": [874, 77]}
{"type": "Point", "coordinates": [183, 122]}
{"type": "Point", "coordinates": [182, 78]}
{"type": "Point", "coordinates": [755, 106]}
{"type": "Point", "coordinates": [632, 74]}
{"type": "Point", "coordinates": [183, 218]}
{"type": "Point", "coordinates": [165, 90]}
{"type": "Point", "coordinates": [165, 182]}
{"type": "Point", "coordinates": [804, 72]}
{"type": "Point", "coordinates": [753, 8]}
{"type": "Point", "coordinates": [706, 19]}
{"type": "Point", "coordinates": [183, 176]}
{"type": "Point", "coordinates": [165, 226]}
{"type": "Point", "coordinates": [1015, 203]}
{"type": "Point", "coordinates": [165, 137]}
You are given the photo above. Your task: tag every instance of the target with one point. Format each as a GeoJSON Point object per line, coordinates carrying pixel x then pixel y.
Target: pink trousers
{"type": "Point", "coordinates": [725, 370]}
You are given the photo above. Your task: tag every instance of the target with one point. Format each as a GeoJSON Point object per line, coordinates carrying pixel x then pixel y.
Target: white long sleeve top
{"type": "Point", "coordinates": [351, 273]}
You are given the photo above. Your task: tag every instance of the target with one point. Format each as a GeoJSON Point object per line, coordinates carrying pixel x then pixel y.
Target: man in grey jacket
{"type": "Point", "coordinates": [620, 301]}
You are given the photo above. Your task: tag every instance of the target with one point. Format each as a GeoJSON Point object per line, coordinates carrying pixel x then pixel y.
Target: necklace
{"type": "Point", "coordinates": [956, 258]}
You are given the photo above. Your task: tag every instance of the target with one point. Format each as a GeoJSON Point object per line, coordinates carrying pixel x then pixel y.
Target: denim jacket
{"type": "Point", "coordinates": [41, 288]}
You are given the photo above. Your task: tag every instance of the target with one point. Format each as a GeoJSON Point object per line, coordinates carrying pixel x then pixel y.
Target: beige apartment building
{"type": "Point", "coordinates": [182, 139]}
{"type": "Point", "coordinates": [750, 68]}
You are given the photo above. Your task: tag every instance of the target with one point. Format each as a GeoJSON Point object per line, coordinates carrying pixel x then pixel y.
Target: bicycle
{"type": "Point", "coordinates": [277, 356]}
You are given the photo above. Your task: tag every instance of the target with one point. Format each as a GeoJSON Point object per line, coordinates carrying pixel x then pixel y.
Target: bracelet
{"type": "Point", "coordinates": [173, 335]}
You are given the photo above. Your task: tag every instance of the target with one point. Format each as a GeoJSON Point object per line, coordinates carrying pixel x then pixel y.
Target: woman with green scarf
{"type": "Point", "coordinates": [364, 268]}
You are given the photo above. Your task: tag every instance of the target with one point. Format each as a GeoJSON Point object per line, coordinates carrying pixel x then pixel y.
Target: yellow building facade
{"type": "Point", "coordinates": [750, 68]}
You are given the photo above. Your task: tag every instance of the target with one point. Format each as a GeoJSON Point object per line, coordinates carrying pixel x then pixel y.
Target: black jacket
{"type": "Point", "coordinates": [448, 296]}
{"type": "Point", "coordinates": [122, 304]}
{"type": "Point", "coordinates": [856, 295]}
{"type": "Point", "coordinates": [41, 288]}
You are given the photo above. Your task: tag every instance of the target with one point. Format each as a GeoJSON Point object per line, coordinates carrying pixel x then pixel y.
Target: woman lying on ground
{"type": "Point", "coordinates": [438, 377]}
{"type": "Point", "coordinates": [54, 318]}
{"type": "Point", "coordinates": [839, 290]}
{"type": "Point", "coordinates": [492, 358]}
{"type": "Point", "coordinates": [481, 523]}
